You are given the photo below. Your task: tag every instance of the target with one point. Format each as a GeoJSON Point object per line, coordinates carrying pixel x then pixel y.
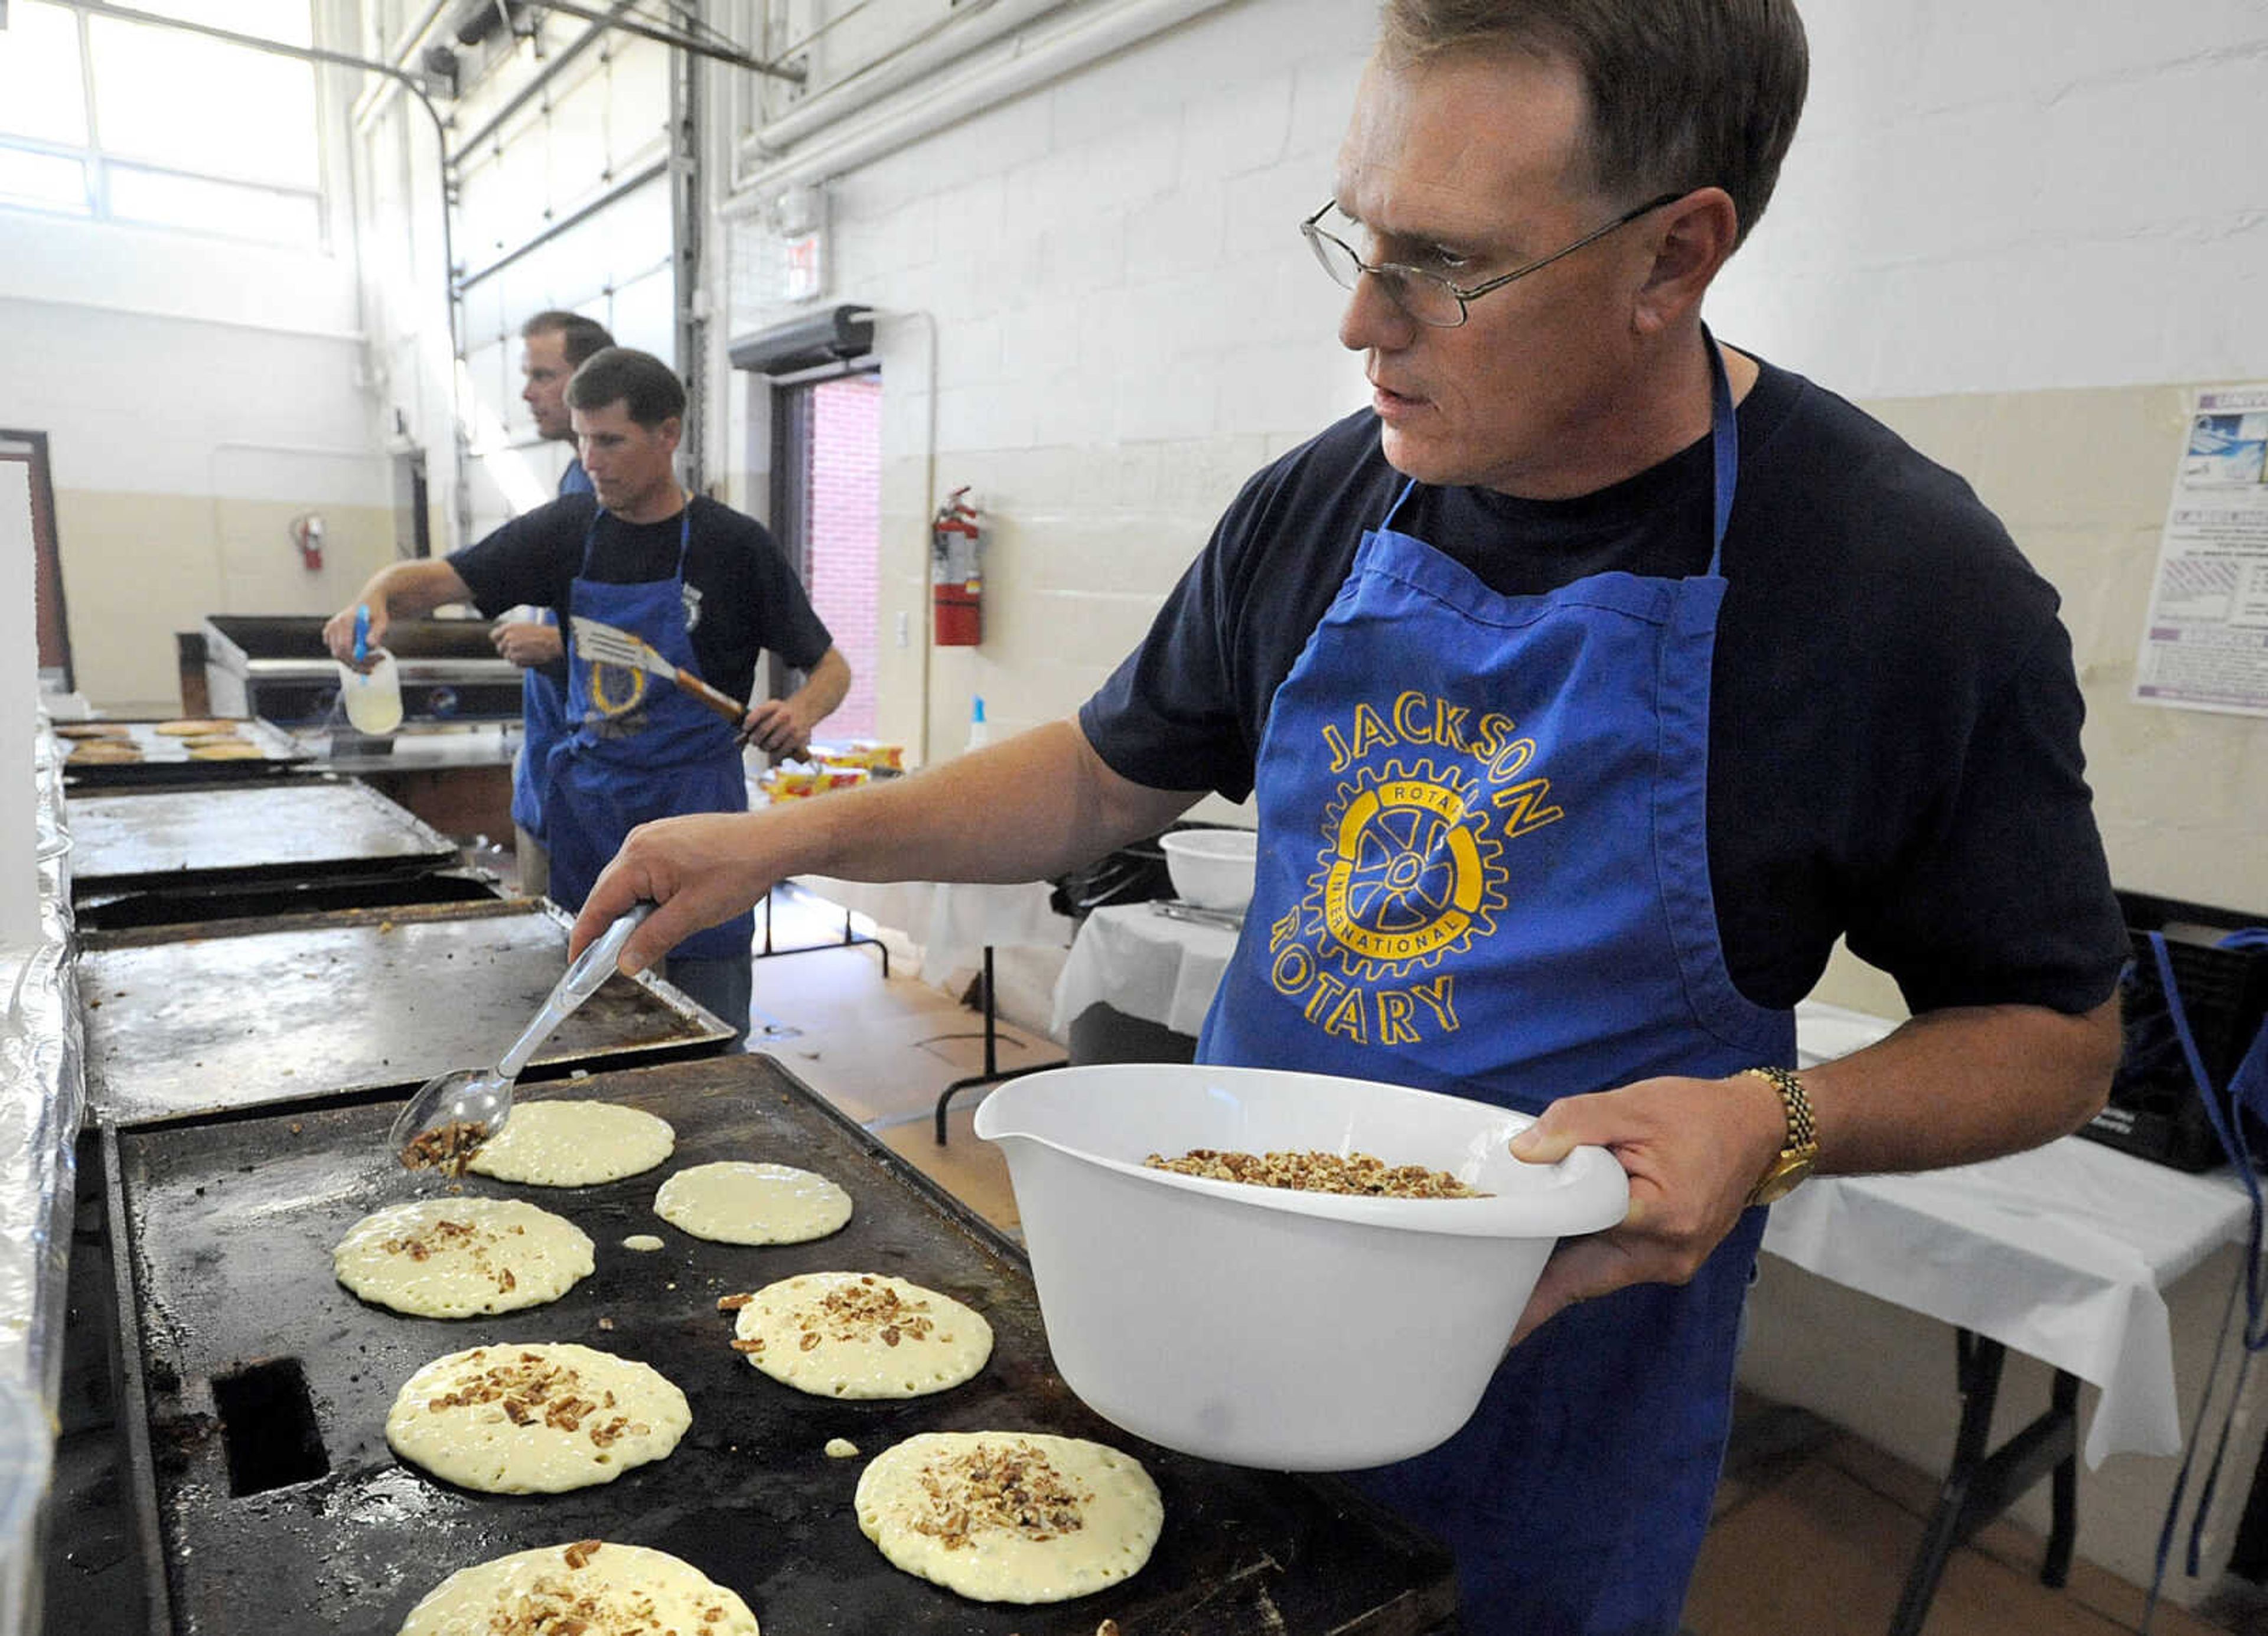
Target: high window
{"type": "Point", "coordinates": [114, 121]}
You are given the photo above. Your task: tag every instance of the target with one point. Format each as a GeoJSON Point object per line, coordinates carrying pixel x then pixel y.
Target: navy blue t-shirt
{"type": "Point", "coordinates": [1894, 738]}
{"type": "Point", "coordinates": [741, 595]}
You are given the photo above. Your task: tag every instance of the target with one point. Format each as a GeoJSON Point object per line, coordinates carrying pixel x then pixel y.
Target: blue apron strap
{"type": "Point", "coordinates": [1723, 448]}
{"type": "Point", "coordinates": [1400, 500]}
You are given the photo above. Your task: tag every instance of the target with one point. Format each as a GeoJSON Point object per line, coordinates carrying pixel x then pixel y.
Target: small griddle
{"type": "Point", "coordinates": [257, 1390]}
{"type": "Point", "coordinates": [166, 760]}
{"type": "Point", "coordinates": [286, 829]}
{"type": "Point", "coordinates": [302, 1007]}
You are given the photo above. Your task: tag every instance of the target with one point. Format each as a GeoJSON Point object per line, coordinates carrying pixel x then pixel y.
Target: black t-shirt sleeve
{"type": "Point", "coordinates": [1168, 717]}
{"type": "Point", "coordinates": [786, 622]}
{"type": "Point", "coordinates": [2004, 898]}
{"type": "Point", "coordinates": [524, 561]}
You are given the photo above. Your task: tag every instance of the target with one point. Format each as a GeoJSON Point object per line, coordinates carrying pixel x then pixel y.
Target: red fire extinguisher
{"type": "Point", "coordinates": [956, 574]}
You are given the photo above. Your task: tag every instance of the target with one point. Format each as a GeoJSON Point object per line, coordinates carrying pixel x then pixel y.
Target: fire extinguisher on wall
{"type": "Point", "coordinates": [956, 574]}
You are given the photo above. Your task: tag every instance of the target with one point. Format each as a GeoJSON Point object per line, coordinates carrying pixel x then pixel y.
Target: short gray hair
{"type": "Point", "coordinates": [1681, 93]}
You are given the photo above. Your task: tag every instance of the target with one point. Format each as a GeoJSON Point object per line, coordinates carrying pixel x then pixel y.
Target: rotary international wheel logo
{"type": "Point", "coordinates": [616, 688]}
{"type": "Point", "coordinates": [1408, 872]}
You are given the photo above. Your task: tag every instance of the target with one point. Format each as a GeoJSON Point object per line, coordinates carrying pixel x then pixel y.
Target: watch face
{"type": "Point", "coordinates": [1782, 1179]}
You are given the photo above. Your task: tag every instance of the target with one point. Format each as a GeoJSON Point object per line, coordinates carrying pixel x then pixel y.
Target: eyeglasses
{"type": "Point", "coordinates": [1428, 298]}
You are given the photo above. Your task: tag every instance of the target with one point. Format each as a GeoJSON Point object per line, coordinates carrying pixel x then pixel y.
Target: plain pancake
{"type": "Point", "coordinates": [733, 1202]}
{"type": "Point", "coordinates": [194, 727]}
{"type": "Point", "coordinates": [534, 1418]}
{"type": "Point", "coordinates": [92, 730]}
{"type": "Point", "coordinates": [613, 1589]}
{"type": "Point", "coordinates": [453, 1257]}
{"type": "Point", "coordinates": [1011, 1517]}
{"type": "Point", "coordinates": [861, 1335]}
{"type": "Point", "coordinates": [111, 751]}
{"type": "Point", "coordinates": [231, 749]}
{"type": "Point", "coordinates": [574, 1144]}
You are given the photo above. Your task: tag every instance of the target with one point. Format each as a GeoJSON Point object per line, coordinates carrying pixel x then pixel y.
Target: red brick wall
{"type": "Point", "coordinates": [846, 493]}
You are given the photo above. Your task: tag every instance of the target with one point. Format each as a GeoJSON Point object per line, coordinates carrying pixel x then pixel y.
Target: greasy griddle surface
{"type": "Point", "coordinates": [166, 759]}
{"type": "Point", "coordinates": [232, 1226]}
{"type": "Point", "coordinates": [290, 828]}
{"type": "Point", "coordinates": [371, 1001]}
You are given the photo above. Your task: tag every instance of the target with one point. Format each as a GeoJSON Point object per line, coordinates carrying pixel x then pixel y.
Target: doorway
{"type": "Point", "coordinates": [827, 502]}
{"type": "Point", "coordinates": [27, 488]}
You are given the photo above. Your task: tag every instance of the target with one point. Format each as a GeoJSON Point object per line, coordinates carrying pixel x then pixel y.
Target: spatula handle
{"type": "Point", "coordinates": [584, 979]}
{"type": "Point", "coordinates": [724, 703]}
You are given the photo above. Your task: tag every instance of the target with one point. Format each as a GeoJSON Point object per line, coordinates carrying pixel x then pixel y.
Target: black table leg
{"type": "Point", "coordinates": [849, 939]}
{"type": "Point", "coordinates": [993, 1073]}
{"type": "Point", "coordinates": [1980, 1485]}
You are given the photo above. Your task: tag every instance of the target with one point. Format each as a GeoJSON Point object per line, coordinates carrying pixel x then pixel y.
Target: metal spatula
{"type": "Point", "coordinates": [605, 644]}
{"type": "Point", "coordinates": [453, 1113]}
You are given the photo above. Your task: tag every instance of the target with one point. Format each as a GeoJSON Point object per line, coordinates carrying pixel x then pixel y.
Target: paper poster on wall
{"type": "Point", "coordinates": [2204, 646]}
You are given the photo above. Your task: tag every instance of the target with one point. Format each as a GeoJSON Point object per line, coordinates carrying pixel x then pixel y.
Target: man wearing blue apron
{"type": "Point", "coordinates": [702, 586]}
{"type": "Point", "coordinates": [1588, 686]}
{"type": "Point", "coordinates": [553, 345]}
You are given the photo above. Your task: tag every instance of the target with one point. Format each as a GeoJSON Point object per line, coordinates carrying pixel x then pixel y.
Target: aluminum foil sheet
{"type": "Point", "coordinates": [41, 1095]}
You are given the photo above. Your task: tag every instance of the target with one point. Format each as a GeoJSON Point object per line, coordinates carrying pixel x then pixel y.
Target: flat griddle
{"type": "Point", "coordinates": [166, 759]}
{"type": "Point", "coordinates": [361, 1000]}
{"type": "Point", "coordinates": [229, 1226]}
{"type": "Point", "coordinates": [297, 828]}
{"type": "Point", "coordinates": [197, 911]}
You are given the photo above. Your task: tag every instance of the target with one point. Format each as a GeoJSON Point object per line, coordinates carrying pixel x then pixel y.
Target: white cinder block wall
{"type": "Point", "coordinates": [1125, 326]}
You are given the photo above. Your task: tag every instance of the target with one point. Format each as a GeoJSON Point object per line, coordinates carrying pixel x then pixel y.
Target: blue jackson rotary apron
{"type": "Point", "coordinates": [1484, 871]}
{"type": "Point", "coordinates": [542, 707]}
{"type": "Point", "coordinates": [635, 752]}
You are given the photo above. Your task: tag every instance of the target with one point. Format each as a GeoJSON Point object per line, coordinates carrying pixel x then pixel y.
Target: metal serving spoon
{"type": "Point", "coordinates": [453, 1113]}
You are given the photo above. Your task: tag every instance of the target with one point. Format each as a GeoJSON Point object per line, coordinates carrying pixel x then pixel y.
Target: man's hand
{"type": "Point", "coordinates": [779, 727]}
{"type": "Point", "coordinates": [701, 870]}
{"type": "Point", "coordinates": [1692, 1149]}
{"type": "Point", "coordinates": [339, 632]}
{"type": "Point", "coordinates": [528, 642]}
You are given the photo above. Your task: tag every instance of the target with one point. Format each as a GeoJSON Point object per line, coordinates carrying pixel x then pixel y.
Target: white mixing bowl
{"type": "Point", "coordinates": [1211, 868]}
{"type": "Point", "coordinates": [1297, 1331]}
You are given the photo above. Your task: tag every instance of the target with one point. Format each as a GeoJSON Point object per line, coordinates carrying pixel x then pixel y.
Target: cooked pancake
{"type": "Point", "coordinates": [860, 1335]}
{"type": "Point", "coordinates": [737, 1202]}
{"type": "Point", "coordinates": [194, 727]}
{"type": "Point", "coordinates": [574, 1144]}
{"type": "Point", "coordinates": [203, 739]}
{"type": "Point", "coordinates": [590, 1586]}
{"type": "Point", "coordinates": [92, 730]}
{"type": "Point", "coordinates": [110, 752]}
{"type": "Point", "coordinates": [1011, 1517]}
{"type": "Point", "coordinates": [453, 1257]}
{"type": "Point", "coordinates": [228, 749]}
{"type": "Point", "coordinates": [534, 1418]}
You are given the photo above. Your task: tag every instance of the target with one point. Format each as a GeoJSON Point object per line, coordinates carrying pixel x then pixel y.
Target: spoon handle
{"type": "Point", "coordinates": [583, 980]}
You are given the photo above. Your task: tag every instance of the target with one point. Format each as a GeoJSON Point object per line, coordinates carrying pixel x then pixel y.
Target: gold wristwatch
{"type": "Point", "coordinates": [1799, 1151]}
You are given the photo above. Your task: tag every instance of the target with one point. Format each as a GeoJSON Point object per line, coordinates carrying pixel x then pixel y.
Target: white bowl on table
{"type": "Point", "coordinates": [1211, 868]}
{"type": "Point", "coordinates": [1262, 1327]}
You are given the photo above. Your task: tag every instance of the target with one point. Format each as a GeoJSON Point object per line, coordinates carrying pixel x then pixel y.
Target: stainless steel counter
{"type": "Point", "coordinates": [448, 749]}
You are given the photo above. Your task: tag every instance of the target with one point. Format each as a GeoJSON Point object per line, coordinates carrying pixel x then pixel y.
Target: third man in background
{"type": "Point", "coordinates": [554, 344]}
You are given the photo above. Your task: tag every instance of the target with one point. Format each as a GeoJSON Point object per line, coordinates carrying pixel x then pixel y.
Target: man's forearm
{"type": "Point", "coordinates": [824, 689]}
{"type": "Point", "coordinates": [1956, 1087]}
{"type": "Point", "coordinates": [407, 590]}
{"type": "Point", "coordinates": [1029, 809]}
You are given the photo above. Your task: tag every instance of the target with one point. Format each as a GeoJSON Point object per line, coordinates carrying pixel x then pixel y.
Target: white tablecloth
{"type": "Point", "coordinates": [1136, 960]}
{"type": "Point", "coordinates": [2061, 1253]}
{"type": "Point", "coordinates": [953, 921]}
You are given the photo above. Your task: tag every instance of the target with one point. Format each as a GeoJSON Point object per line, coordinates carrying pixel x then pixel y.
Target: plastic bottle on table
{"type": "Point", "coordinates": [979, 733]}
